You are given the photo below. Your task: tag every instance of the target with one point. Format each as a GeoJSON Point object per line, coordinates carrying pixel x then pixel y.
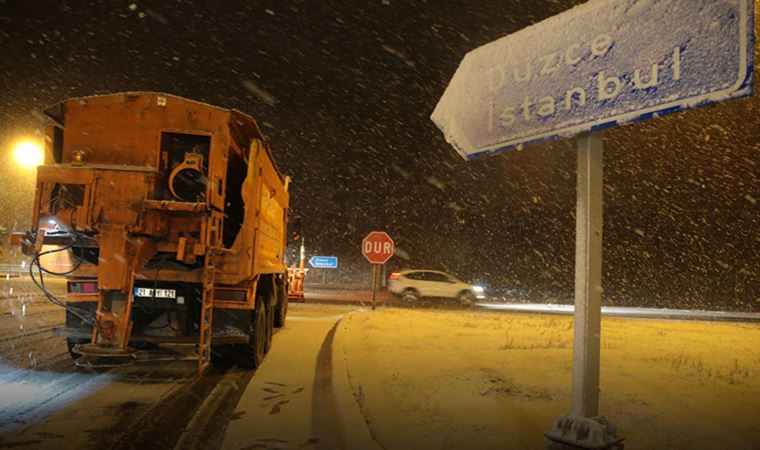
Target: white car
{"type": "Point", "coordinates": [412, 285]}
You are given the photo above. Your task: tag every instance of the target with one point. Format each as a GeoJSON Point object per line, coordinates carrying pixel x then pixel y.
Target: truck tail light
{"type": "Point", "coordinates": [83, 287]}
{"type": "Point", "coordinates": [394, 276]}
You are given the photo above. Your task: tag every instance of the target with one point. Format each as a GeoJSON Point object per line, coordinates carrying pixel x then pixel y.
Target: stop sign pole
{"type": "Point", "coordinates": [377, 248]}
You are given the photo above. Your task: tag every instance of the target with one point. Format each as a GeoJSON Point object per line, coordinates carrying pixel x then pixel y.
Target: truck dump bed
{"type": "Point", "coordinates": [152, 193]}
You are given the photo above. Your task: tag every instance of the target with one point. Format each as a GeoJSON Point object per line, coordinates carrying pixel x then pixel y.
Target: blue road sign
{"type": "Point", "coordinates": [598, 65]}
{"type": "Point", "coordinates": [324, 262]}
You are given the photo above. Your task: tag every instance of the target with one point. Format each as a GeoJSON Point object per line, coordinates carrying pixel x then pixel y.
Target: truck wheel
{"type": "Point", "coordinates": [250, 355]}
{"type": "Point", "coordinates": [281, 311]}
{"type": "Point", "coordinates": [270, 324]}
{"type": "Point", "coordinates": [258, 344]}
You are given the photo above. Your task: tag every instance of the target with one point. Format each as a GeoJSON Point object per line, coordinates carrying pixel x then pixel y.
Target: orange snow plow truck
{"type": "Point", "coordinates": [172, 216]}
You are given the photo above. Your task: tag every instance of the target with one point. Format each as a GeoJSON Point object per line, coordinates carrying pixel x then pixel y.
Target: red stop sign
{"type": "Point", "coordinates": [377, 247]}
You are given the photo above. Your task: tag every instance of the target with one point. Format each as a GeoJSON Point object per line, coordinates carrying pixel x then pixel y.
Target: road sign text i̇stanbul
{"type": "Point", "coordinates": [601, 64]}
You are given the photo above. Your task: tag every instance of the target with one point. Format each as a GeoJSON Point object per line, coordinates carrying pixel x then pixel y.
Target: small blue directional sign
{"type": "Point", "coordinates": [324, 262]}
{"type": "Point", "coordinates": [601, 64]}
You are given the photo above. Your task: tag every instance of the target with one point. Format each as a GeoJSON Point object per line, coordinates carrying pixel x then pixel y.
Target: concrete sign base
{"type": "Point", "coordinates": [574, 432]}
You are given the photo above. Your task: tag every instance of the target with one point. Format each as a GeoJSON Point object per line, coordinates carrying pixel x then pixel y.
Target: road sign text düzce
{"type": "Point", "coordinates": [600, 64]}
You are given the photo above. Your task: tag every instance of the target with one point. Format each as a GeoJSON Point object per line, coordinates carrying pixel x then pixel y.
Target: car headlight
{"type": "Point", "coordinates": [477, 289]}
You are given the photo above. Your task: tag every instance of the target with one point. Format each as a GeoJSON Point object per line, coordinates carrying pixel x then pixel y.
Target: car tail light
{"type": "Point", "coordinates": [394, 276]}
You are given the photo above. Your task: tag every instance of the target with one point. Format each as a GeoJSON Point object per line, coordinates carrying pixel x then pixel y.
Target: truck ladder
{"type": "Point", "coordinates": [207, 309]}
{"type": "Point", "coordinates": [211, 229]}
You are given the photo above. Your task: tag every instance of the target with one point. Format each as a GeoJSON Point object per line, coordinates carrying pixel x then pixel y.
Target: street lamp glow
{"type": "Point", "coordinates": [28, 154]}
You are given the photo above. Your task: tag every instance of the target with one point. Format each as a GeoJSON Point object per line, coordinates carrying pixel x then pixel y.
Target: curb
{"type": "Point", "coordinates": [627, 312]}
{"type": "Point", "coordinates": [354, 430]}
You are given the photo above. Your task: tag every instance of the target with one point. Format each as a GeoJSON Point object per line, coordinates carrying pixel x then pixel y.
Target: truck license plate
{"type": "Point", "coordinates": [160, 293]}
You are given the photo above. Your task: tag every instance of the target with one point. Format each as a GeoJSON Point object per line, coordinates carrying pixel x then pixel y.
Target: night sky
{"type": "Point", "coordinates": [344, 91]}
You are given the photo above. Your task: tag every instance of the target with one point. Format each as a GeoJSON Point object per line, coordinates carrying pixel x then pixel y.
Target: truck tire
{"type": "Point", "coordinates": [270, 313]}
{"type": "Point", "coordinates": [256, 347]}
{"type": "Point", "coordinates": [250, 355]}
{"type": "Point", "coordinates": [281, 311]}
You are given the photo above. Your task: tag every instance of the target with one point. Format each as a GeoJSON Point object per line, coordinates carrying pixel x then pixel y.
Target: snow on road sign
{"type": "Point", "coordinates": [600, 64]}
{"type": "Point", "coordinates": [377, 247]}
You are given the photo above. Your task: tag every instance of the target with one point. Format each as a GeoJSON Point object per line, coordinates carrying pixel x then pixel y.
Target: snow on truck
{"type": "Point", "coordinates": [172, 215]}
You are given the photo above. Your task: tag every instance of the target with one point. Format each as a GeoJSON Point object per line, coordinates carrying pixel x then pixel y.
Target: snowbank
{"type": "Point", "coordinates": [434, 379]}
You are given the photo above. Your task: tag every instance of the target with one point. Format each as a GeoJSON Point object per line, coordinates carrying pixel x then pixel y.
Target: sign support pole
{"type": "Point", "coordinates": [588, 278]}
{"type": "Point", "coordinates": [572, 430]}
{"type": "Point", "coordinates": [375, 276]}
{"type": "Point", "coordinates": [378, 248]}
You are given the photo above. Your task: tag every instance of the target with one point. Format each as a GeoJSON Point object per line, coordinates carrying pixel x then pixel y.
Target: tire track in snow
{"type": "Point", "coordinates": [325, 421]}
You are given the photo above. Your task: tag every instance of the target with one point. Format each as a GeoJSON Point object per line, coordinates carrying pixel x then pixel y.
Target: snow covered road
{"type": "Point", "coordinates": [429, 375]}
